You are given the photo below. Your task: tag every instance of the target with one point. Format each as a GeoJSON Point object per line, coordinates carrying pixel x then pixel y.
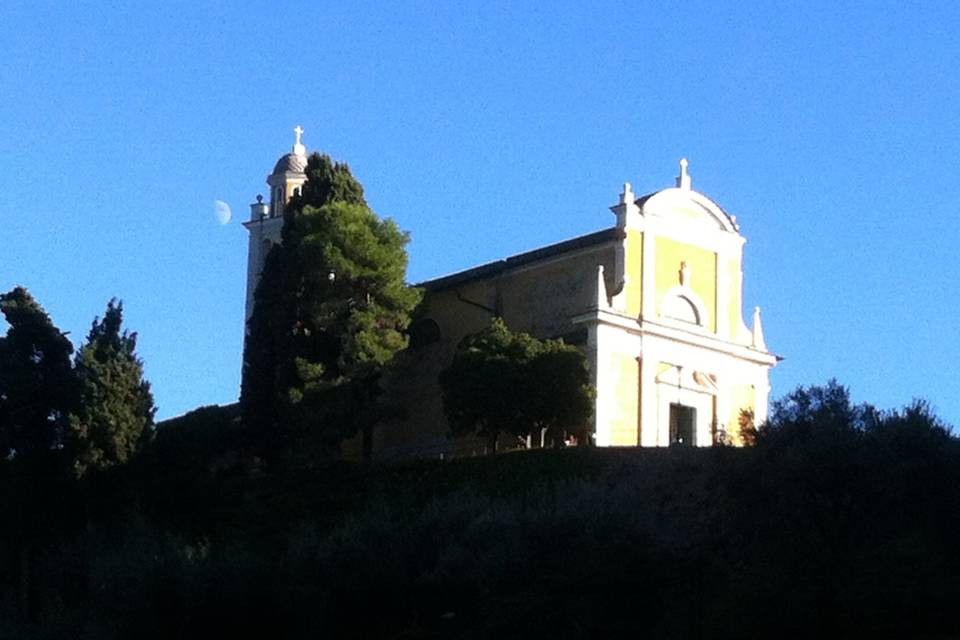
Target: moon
{"type": "Point", "coordinates": [221, 211]}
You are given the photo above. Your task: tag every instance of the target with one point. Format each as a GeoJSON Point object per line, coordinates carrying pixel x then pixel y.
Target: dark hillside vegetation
{"type": "Point", "coordinates": [841, 521]}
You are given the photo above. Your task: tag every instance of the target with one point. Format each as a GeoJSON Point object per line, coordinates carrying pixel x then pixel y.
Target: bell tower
{"type": "Point", "coordinates": [266, 218]}
{"type": "Point", "coordinates": [288, 175]}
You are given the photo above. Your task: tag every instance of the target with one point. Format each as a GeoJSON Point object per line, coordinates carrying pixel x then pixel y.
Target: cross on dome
{"type": "Point", "coordinates": [298, 147]}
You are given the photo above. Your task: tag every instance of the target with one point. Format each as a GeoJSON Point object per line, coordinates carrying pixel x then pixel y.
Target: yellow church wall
{"type": "Point", "coordinates": [634, 272]}
{"type": "Point", "coordinates": [735, 299]}
{"type": "Point", "coordinates": [539, 299]}
{"type": "Point", "coordinates": [742, 396]}
{"type": "Point", "coordinates": [624, 374]}
{"type": "Point", "coordinates": [458, 317]}
{"type": "Point", "coordinates": [703, 272]}
{"type": "Point", "coordinates": [422, 432]}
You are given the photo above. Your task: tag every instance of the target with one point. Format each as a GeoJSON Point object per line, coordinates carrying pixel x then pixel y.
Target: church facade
{"type": "Point", "coordinates": [654, 302]}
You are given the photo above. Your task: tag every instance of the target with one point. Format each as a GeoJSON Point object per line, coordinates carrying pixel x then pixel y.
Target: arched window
{"type": "Point", "coordinates": [277, 205]}
{"type": "Point", "coordinates": [423, 332]}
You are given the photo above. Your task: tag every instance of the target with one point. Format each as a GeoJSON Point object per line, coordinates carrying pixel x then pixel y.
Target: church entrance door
{"type": "Point", "coordinates": [683, 421]}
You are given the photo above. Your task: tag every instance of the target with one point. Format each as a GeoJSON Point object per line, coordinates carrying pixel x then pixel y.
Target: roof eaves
{"type": "Point", "coordinates": [520, 259]}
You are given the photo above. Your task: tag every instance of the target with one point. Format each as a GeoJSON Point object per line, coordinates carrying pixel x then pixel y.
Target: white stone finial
{"type": "Point", "coordinates": [298, 147]}
{"type": "Point", "coordinates": [259, 210]}
{"type": "Point", "coordinates": [683, 180]}
{"type": "Point", "coordinates": [626, 209]}
{"type": "Point", "coordinates": [603, 302]}
{"type": "Point", "coordinates": [758, 341]}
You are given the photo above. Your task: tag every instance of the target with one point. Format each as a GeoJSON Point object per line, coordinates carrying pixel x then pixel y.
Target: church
{"type": "Point", "coordinates": [653, 301]}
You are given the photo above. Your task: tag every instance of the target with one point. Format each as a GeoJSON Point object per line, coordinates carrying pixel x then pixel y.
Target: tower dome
{"type": "Point", "coordinates": [288, 175]}
{"type": "Point", "coordinates": [290, 163]}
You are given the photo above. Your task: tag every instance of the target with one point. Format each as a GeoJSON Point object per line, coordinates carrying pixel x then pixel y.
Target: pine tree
{"type": "Point", "coordinates": [329, 314]}
{"type": "Point", "coordinates": [116, 406]}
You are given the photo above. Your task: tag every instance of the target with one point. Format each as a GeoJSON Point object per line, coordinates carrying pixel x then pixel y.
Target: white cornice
{"type": "Point", "coordinates": [650, 328]}
{"type": "Point", "coordinates": [263, 222]}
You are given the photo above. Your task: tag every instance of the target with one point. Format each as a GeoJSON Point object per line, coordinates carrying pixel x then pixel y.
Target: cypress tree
{"type": "Point", "coordinates": [116, 407]}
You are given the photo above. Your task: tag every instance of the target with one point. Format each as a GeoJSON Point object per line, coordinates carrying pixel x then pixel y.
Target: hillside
{"type": "Point", "coordinates": [828, 534]}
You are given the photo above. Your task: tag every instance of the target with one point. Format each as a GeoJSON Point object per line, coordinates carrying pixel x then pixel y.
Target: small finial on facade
{"type": "Point", "coordinates": [684, 274]}
{"type": "Point", "coordinates": [298, 147]}
{"type": "Point", "coordinates": [683, 180]}
{"type": "Point", "coordinates": [603, 301]}
{"type": "Point", "coordinates": [758, 341]}
{"type": "Point", "coordinates": [258, 209]}
{"type": "Point", "coordinates": [626, 209]}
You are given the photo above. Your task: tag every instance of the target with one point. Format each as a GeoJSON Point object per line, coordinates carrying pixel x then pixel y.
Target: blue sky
{"type": "Point", "coordinates": [486, 129]}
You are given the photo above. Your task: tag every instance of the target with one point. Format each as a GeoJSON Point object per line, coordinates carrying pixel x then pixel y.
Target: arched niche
{"type": "Point", "coordinates": [682, 305]}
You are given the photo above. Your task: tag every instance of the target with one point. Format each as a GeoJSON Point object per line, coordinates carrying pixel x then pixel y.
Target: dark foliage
{"type": "Point", "coordinates": [185, 467]}
{"type": "Point", "coordinates": [507, 382]}
{"type": "Point", "coordinates": [115, 410]}
{"type": "Point", "coordinates": [840, 522]}
{"type": "Point", "coordinates": [327, 182]}
{"type": "Point", "coordinates": [38, 389]}
{"type": "Point", "coordinates": [37, 384]}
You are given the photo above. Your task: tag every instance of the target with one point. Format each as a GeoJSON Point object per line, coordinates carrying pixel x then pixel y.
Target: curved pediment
{"type": "Point", "coordinates": [688, 206]}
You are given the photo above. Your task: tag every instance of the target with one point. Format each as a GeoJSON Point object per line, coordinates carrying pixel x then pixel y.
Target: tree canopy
{"type": "Point", "coordinates": [505, 382]}
{"type": "Point", "coordinates": [116, 406]}
{"type": "Point", "coordinates": [329, 313]}
{"type": "Point", "coordinates": [89, 412]}
{"type": "Point", "coordinates": [37, 383]}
